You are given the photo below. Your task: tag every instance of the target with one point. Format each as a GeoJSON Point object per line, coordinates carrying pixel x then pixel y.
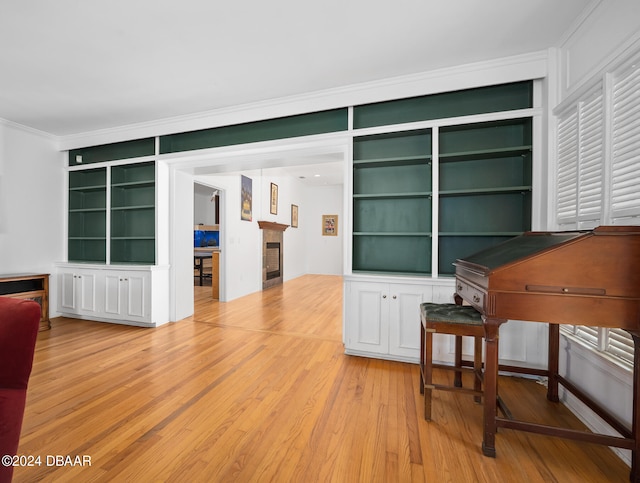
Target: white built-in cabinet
{"type": "Point", "coordinates": [112, 294]}
{"type": "Point", "coordinates": [384, 315]}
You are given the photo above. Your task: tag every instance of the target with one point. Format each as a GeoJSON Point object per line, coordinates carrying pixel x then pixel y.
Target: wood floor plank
{"type": "Point", "coordinates": [259, 389]}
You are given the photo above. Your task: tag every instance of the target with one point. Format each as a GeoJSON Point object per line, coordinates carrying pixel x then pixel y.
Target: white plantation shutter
{"type": "Point", "coordinates": [625, 189]}
{"type": "Point", "coordinates": [590, 162]}
{"type": "Point", "coordinates": [566, 188]}
{"type": "Point", "coordinates": [619, 343]}
{"type": "Point", "coordinates": [598, 142]}
{"type": "Point", "coordinates": [588, 334]}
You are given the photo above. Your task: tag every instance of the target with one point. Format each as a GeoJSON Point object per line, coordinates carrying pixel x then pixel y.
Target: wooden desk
{"type": "Point", "coordinates": [589, 278]}
{"type": "Point", "coordinates": [29, 286]}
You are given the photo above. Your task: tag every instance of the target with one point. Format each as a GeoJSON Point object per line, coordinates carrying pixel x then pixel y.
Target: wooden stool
{"type": "Point", "coordinates": [457, 320]}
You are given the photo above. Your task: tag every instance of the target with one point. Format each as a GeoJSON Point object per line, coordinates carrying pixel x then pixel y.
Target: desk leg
{"type": "Point", "coordinates": [491, 336]}
{"type": "Point", "coordinates": [635, 431]}
{"type": "Point", "coordinates": [552, 366]}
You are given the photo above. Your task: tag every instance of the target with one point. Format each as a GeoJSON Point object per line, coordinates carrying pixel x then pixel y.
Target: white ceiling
{"type": "Point", "coordinates": [72, 66]}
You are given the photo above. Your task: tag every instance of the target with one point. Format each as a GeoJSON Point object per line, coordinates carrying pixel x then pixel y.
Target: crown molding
{"type": "Point", "coordinates": [508, 69]}
{"type": "Point", "coordinates": [20, 127]}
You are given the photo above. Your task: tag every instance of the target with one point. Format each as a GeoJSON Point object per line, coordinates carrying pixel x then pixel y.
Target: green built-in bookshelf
{"type": "Point", "coordinates": [130, 216]}
{"type": "Point", "coordinates": [392, 202]}
{"type": "Point", "coordinates": [133, 213]}
{"type": "Point", "coordinates": [87, 231]}
{"type": "Point", "coordinates": [484, 187]}
{"type": "Point", "coordinates": [483, 173]}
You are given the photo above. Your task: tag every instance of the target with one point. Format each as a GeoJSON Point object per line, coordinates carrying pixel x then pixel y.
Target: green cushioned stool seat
{"type": "Point", "coordinates": [451, 313]}
{"type": "Point", "coordinates": [459, 321]}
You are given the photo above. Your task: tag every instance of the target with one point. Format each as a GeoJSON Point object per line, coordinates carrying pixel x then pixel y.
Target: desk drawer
{"type": "Point", "coordinates": [470, 294]}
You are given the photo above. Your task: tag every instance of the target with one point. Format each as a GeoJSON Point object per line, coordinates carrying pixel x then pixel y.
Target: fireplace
{"type": "Point", "coordinates": [272, 253]}
{"type": "Point", "coordinates": [272, 259]}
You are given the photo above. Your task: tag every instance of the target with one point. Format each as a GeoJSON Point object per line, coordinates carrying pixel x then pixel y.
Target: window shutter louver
{"type": "Point", "coordinates": [590, 159]}
{"type": "Point", "coordinates": [567, 167]}
{"type": "Point", "coordinates": [620, 343]}
{"type": "Point", "coordinates": [588, 334]}
{"type": "Point", "coordinates": [626, 144]}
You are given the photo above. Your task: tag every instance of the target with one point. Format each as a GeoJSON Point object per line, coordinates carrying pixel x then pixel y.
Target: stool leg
{"type": "Point", "coordinates": [477, 366]}
{"type": "Point", "coordinates": [428, 373]}
{"type": "Point", "coordinates": [457, 379]}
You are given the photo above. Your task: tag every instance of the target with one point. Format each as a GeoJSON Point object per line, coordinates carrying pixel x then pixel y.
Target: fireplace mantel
{"type": "Point", "coordinates": [271, 225]}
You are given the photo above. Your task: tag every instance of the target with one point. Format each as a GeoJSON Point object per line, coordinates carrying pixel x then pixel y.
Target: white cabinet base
{"type": "Point", "coordinates": [131, 295]}
{"type": "Point", "coordinates": [382, 314]}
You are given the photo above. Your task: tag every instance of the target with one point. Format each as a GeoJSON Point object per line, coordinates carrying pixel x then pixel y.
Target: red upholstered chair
{"type": "Point", "coordinates": [19, 321]}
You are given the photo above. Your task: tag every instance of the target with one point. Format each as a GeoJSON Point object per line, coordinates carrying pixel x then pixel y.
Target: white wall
{"type": "Point", "coordinates": [612, 25]}
{"type": "Point", "coordinates": [324, 253]}
{"type": "Point", "coordinates": [32, 190]}
{"type": "Point", "coordinates": [204, 209]}
{"type": "Point", "coordinates": [306, 250]}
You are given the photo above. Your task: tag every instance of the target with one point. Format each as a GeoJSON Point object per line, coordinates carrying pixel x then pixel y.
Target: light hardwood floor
{"type": "Point", "coordinates": [259, 389]}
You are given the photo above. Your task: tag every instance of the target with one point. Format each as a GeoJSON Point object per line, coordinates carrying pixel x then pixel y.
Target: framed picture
{"type": "Point", "coordinates": [274, 199]}
{"type": "Point", "coordinates": [246, 198]}
{"type": "Point", "coordinates": [294, 216]}
{"type": "Point", "coordinates": [329, 225]}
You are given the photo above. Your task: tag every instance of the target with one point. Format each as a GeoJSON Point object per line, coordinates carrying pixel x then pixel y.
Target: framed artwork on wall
{"type": "Point", "coordinates": [294, 216]}
{"type": "Point", "coordinates": [246, 198]}
{"type": "Point", "coordinates": [274, 199]}
{"type": "Point", "coordinates": [329, 225]}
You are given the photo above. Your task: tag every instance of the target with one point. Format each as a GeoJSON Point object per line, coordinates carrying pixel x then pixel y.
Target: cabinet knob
{"type": "Point", "coordinates": [476, 299]}
{"type": "Point", "coordinates": [384, 296]}
{"type": "Point", "coordinates": [395, 297]}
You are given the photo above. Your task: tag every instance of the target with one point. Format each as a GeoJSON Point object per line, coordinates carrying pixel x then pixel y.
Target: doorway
{"type": "Point", "coordinates": [207, 231]}
{"type": "Point", "coordinates": [220, 169]}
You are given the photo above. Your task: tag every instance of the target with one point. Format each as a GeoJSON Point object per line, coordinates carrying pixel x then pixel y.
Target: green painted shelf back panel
{"type": "Point", "coordinates": [88, 251]}
{"type": "Point", "coordinates": [486, 213]}
{"type": "Point", "coordinates": [394, 145]}
{"type": "Point", "coordinates": [88, 224]}
{"type": "Point", "coordinates": [407, 215]}
{"type": "Point", "coordinates": [110, 152]}
{"type": "Point", "coordinates": [488, 173]}
{"type": "Point", "coordinates": [133, 196]}
{"type": "Point", "coordinates": [505, 97]}
{"type": "Point", "coordinates": [392, 179]}
{"type": "Point", "coordinates": [88, 179]}
{"type": "Point", "coordinates": [389, 254]}
{"type": "Point", "coordinates": [134, 173]}
{"type": "Point", "coordinates": [133, 251]}
{"type": "Point", "coordinates": [485, 136]}
{"type": "Point", "coordinates": [281, 128]}
{"type": "Point", "coordinates": [133, 223]}
{"type": "Point", "coordinates": [92, 199]}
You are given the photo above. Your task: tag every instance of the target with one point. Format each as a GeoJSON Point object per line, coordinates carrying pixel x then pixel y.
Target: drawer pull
{"type": "Point", "coordinates": [476, 299]}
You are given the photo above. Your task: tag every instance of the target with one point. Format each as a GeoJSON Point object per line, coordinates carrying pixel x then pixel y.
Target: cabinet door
{"type": "Point", "coordinates": [86, 292]}
{"type": "Point", "coordinates": [67, 291]}
{"type": "Point", "coordinates": [126, 295]}
{"type": "Point", "coordinates": [404, 324]}
{"type": "Point", "coordinates": [367, 317]}
{"type": "Point", "coordinates": [78, 292]}
{"type": "Point", "coordinates": [136, 289]}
